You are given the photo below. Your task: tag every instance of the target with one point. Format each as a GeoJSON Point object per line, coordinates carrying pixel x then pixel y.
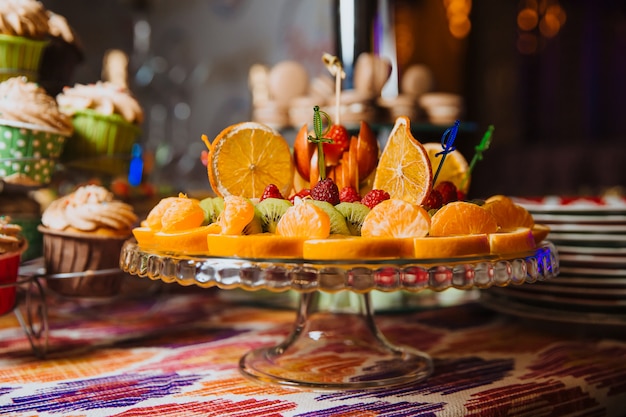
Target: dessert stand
{"type": "Point", "coordinates": [335, 342]}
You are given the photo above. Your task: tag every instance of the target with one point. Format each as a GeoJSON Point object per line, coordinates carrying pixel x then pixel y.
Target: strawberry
{"type": "Point", "coordinates": [305, 192]}
{"type": "Point", "coordinates": [375, 196]}
{"type": "Point", "coordinates": [448, 191]}
{"type": "Point", "coordinates": [434, 200]}
{"type": "Point", "coordinates": [349, 194]}
{"type": "Point", "coordinates": [326, 190]}
{"type": "Point", "coordinates": [271, 191]}
{"type": "Point", "coordinates": [340, 143]}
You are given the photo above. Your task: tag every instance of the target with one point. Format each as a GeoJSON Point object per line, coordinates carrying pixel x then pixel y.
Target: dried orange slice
{"type": "Point", "coordinates": [245, 157]}
{"type": "Point", "coordinates": [454, 168]}
{"type": "Point", "coordinates": [237, 213]}
{"type": "Point", "coordinates": [508, 214]}
{"type": "Point", "coordinates": [462, 218]}
{"type": "Point", "coordinates": [404, 169]}
{"type": "Point", "coordinates": [517, 240]}
{"type": "Point", "coordinates": [188, 241]}
{"type": "Point", "coordinates": [396, 218]}
{"type": "Point", "coordinates": [261, 245]}
{"type": "Point", "coordinates": [357, 247]}
{"type": "Point", "coordinates": [305, 220]}
{"type": "Point", "coordinates": [540, 232]}
{"type": "Point", "coordinates": [450, 246]}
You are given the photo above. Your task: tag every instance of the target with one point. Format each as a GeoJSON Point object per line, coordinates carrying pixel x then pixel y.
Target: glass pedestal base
{"type": "Point", "coordinates": [336, 344]}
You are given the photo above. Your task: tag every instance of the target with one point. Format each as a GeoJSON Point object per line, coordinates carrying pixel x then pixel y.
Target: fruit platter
{"type": "Point", "coordinates": [335, 217]}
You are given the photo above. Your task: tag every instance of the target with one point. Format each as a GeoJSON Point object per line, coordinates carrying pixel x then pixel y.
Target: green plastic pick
{"type": "Point", "coordinates": [478, 156]}
{"type": "Point", "coordinates": [318, 127]}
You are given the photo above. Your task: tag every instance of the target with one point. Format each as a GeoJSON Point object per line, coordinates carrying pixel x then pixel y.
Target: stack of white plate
{"type": "Point", "coordinates": [590, 237]}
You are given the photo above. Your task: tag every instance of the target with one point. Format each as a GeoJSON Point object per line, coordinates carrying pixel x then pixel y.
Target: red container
{"type": "Point", "coordinates": [9, 265]}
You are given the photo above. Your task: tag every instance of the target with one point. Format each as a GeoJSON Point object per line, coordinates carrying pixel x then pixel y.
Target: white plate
{"type": "Point", "coordinates": [592, 229]}
{"type": "Point", "coordinates": [563, 291]}
{"type": "Point", "coordinates": [558, 204]}
{"type": "Point", "coordinates": [590, 282]}
{"type": "Point", "coordinates": [591, 250]}
{"type": "Point", "coordinates": [601, 218]}
{"type": "Point", "coordinates": [602, 261]}
{"type": "Point", "coordinates": [587, 237]}
{"type": "Point", "coordinates": [566, 301]}
{"type": "Point", "coordinates": [604, 272]}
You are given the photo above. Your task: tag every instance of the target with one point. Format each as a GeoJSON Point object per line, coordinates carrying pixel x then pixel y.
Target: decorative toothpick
{"type": "Point", "coordinates": [478, 156]}
{"type": "Point", "coordinates": [333, 64]}
{"type": "Point", "coordinates": [135, 170]}
{"type": "Point", "coordinates": [447, 144]}
{"type": "Point", "coordinates": [318, 128]}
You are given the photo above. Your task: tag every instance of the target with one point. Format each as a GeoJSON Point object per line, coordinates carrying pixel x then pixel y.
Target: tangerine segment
{"type": "Point", "coordinates": [450, 246]}
{"type": "Point", "coordinates": [144, 236]}
{"type": "Point", "coordinates": [404, 169]}
{"type": "Point", "coordinates": [183, 213]}
{"type": "Point", "coordinates": [508, 214]}
{"type": "Point", "coordinates": [540, 232]}
{"type": "Point", "coordinates": [454, 168]}
{"type": "Point", "coordinates": [237, 213]}
{"type": "Point", "coordinates": [396, 218]}
{"type": "Point", "coordinates": [517, 240]}
{"type": "Point", "coordinates": [357, 247]}
{"type": "Point", "coordinates": [188, 241]}
{"type": "Point", "coordinates": [462, 218]}
{"type": "Point", "coordinates": [305, 220]}
{"type": "Point", "coordinates": [245, 157]}
{"type": "Point", "coordinates": [261, 245]}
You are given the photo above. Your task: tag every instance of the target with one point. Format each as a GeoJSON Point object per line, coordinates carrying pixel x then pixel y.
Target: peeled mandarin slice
{"type": "Point", "coordinates": [540, 232]}
{"type": "Point", "coordinates": [451, 246]}
{"type": "Point", "coordinates": [237, 213]}
{"type": "Point", "coordinates": [181, 214]}
{"type": "Point", "coordinates": [454, 168]}
{"type": "Point", "coordinates": [357, 247]}
{"type": "Point", "coordinates": [508, 214]}
{"type": "Point", "coordinates": [261, 245]}
{"type": "Point", "coordinates": [245, 157]}
{"type": "Point", "coordinates": [404, 169]}
{"type": "Point", "coordinates": [396, 218]}
{"type": "Point", "coordinates": [462, 218]}
{"type": "Point", "coordinates": [517, 240]}
{"type": "Point", "coordinates": [153, 220]}
{"type": "Point", "coordinates": [144, 236]}
{"type": "Point", "coordinates": [191, 241]}
{"type": "Point", "coordinates": [304, 220]}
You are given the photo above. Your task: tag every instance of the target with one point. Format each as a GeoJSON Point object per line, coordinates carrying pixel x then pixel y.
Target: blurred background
{"type": "Point", "coordinates": [548, 74]}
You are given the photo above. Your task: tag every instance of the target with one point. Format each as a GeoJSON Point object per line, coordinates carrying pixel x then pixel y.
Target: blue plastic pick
{"type": "Point", "coordinates": [135, 171]}
{"type": "Point", "coordinates": [447, 144]}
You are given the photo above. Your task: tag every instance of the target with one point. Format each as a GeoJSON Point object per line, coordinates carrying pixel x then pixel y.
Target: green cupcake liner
{"type": "Point", "coordinates": [20, 56]}
{"type": "Point", "coordinates": [100, 142]}
{"type": "Point", "coordinates": [30, 151]}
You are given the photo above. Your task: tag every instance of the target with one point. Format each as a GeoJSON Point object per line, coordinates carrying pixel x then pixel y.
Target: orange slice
{"type": "Point", "coordinates": [340, 247]}
{"type": "Point", "coordinates": [144, 236]}
{"type": "Point", "coordinates": [261, 245]}
{"type": "Point", "coordinates": [305, 220]}
{"type": "Point", "coordinates": [508, 214]}
{"type": "Point", "coordinates": [237, 213]}
{"type": "Point", "coordinates": [191, 241]}
{"type": "Point", "coordinates": [396, 218]}
{"type": "Point", "coordinates": [462, 218]}
{"type": "Point", "coordinates": [404, 169]}
{"type": "Point", "coordinates": [450, 246]}
{"type": "Point", "coordinates": [245, 157]}
{"type": "Point", "coordinates": [454, 168]}
{"type": "Point", "coordinates": [540, 232]}
{"type": "Point", "coordinates": [517, 240]}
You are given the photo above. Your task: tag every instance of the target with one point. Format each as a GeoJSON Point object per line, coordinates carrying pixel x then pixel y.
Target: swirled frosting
{"type": "Point", "coordinates": [27, 18]}
{"type": "Point", "coordinates": [89, 208]}
{"type": "Point", "coordinates": [26, 102]}
{"type": "Point", "coordinates": [104, 97]}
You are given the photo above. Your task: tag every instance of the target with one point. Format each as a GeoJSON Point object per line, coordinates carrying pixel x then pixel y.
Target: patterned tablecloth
{"type": "Point", "coordinates": [177, 355]}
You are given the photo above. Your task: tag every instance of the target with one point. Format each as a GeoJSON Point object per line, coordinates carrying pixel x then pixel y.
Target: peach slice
{"type": "Point", "coordinates": [367, 150]}
{"type": "Point", "coordinates": [303, 152]}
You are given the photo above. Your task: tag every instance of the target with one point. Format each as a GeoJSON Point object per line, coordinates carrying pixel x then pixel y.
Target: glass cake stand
{"type": "Point", "coordinates": [335, 342]}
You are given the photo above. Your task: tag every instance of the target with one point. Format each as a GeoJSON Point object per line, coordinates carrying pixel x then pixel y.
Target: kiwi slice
{"type": "Point", "coordinates": [354, 213]}
{"type": "Point", "coordinates": [270, 211]}
{"type": "Point", "coordinates": [338, 223]}
{"type": "Point", "coordinates": [212, 207]}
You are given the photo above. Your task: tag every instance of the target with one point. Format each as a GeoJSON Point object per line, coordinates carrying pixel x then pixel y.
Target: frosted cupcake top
{"type": "Point", "coordinates": [26, 102]}
{"type": "Point", "coordinates": [10, 238]}
{"type": "Point", "coordinates": [89, 208]}
{"type": "Point", "coordinates": [27, 18]}
{"type": "Point", "coordinates": [103, 97]}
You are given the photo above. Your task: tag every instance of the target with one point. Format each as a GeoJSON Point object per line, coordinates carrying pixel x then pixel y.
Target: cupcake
{"type": "Point", "coordinates": [106, 119]}
{"type": "Point", "coordinates": [83, 232]}
{"type": "Point", "coordinates": [23, 31]}
{"type": "Point", "coordinates": [32, 132]}
{"type": "Point", "coordinates": [12, 244]}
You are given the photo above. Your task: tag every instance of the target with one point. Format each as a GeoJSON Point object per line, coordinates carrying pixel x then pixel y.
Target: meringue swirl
{"type": "Point", "coordinates": [27, 18]}
{"type": "Point", "coordinates": [104, 97]}
{"type": "Point", "coordinates": [26, 102]}
{"type": "Point", "coordinates": [89, 208]}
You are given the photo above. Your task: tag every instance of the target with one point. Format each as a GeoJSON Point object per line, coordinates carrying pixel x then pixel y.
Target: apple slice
{"type": "Point", "coordinates": [351, 164]}
{"type": "Point", "coordinates": [303, 151]}
{"type": "Point", "coordinates": [367, 150]}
